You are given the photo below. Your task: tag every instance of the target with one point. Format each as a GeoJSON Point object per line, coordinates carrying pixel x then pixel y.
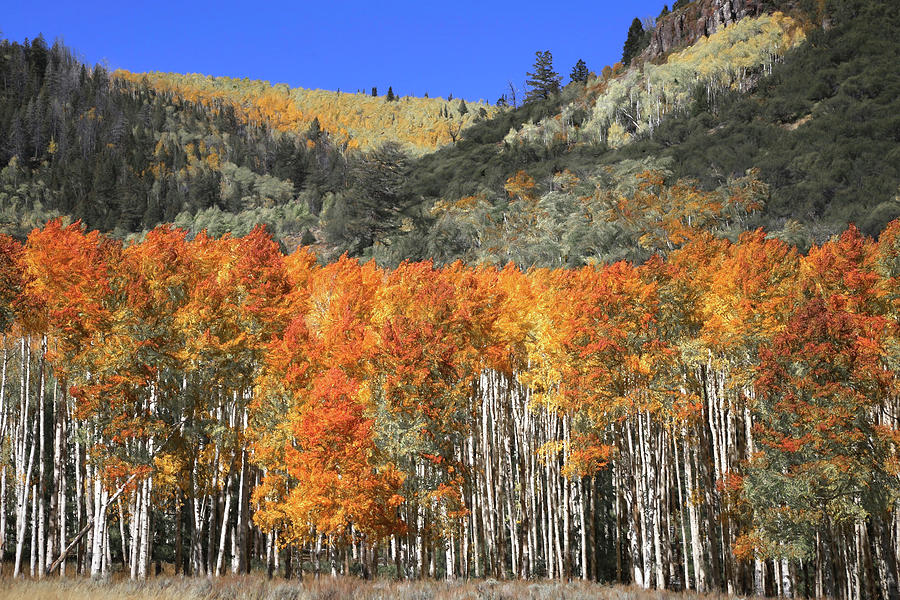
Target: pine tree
{"type": "Point", "coordinates": [634, 43]}
{"type": "Point", "coordinates": [579, 72]}
{"type": "Point", "coordinates": [314, 131]}
{"type": "Point", "coordinates": [544, 81]}
{"type": "Point", "coordinates": [390, 95]}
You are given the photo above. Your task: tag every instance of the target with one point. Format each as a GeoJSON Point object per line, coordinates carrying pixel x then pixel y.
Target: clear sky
{"type": "Point", "coordinates": [468, 49]}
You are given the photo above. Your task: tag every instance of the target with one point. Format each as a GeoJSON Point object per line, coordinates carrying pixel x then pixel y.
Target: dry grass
{"type": "Point", "coordinates": [326, 588]}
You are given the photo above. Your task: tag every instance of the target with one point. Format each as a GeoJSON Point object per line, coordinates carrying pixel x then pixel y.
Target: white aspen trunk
{"type": "Point", "coordinates": [198, 514]}
{"type": "Point", "coordinates": [144, 534]}
{"type": "Point", "coordinates": [52, 487]}
{"type": "Point", "coordinates": [41, 485]}
{"type": "Point", "coordinates": [653, 484]}
{"type": "Point", "coordinates": [549, 503]}
{"type": "Point", "coordinates": [22, 514]}
{"type": "Point", "coordinates": [476, 508]}
{"type": "Point", "coordinates": [664, 485]}
{"type": "Point", "coordinates": [581, 508]}
{"type": "Point", "coordinates": [122, 538]}
{"type": "Point", "coordinates": [685, 552]}
{"type": "Point", "coordinates": [4, 430]}
{"type": "Point", "coordinates": [777, 578]}
{"type": "Point", "coordinates": [82, 496]}
{"type": "Point", "coordinates": [235, 558]}
{"type": "Point", "coordinates": [243, 507]}
{"type": "Point", "coordinates": [62, 482]}
{"type": "Point", "coordinates": [566, 504]}
{"type": "Point", "coordinates": [489, 508]}
{"type": "Point", "coordinates": [642, 578]}
{"type": "Point", "coordinates": [318, 554]}
{"type": "Point", "coordinates": [210, 558]}
{"type": "Point", "coordinates": [134, 530]}
{"type": "Point", "coordinates": [32, 564]}
{"type": "Point", "coordinates": [107, 558]}
{"type": "Point", "coordinates": [531, 476]}
{"type": "Point", "coordinates": [693, 517]}
{"type": "Point", "coordinates": [510, 510]}
{"type": "Point", "coordinates": [448, 551]}
{"type": "Point", "coordinates": [270, 552]}
{"type": "Point", "coordinates": [220, 560]}
{"type": "Point", "coordinates": [23, 473]}
{"type": "Point", "coordinates": [2, 511]}
{"type": "Point", "coordinates": [99, 529]}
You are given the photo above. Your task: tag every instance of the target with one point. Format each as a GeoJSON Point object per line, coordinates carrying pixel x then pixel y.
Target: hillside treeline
{"type": "Point", "coordinates": [123, 157]}
{"type": "Point", "coordinates": [356, 120]}
{"type": "Point", "coordinates": [723, 416]}
{"type": "Point", "coordinates": [125, 152]}
{"type": "Point", "coordinates": [817, 119]}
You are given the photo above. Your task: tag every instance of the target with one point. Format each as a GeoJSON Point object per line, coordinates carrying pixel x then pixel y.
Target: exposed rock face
{"type": "Point", "coordinates": [692, 22]}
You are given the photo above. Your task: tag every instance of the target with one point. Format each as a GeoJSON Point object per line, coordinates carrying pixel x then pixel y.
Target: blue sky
{"type": "Point", "coordinates": [469, 49]}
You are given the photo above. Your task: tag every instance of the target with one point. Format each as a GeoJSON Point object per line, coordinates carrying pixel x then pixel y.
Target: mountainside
{"type": "Point", "coordinates": [690, 23]}
{"type": "Point", "coordinates": [818, 120]}
{"type": "Point", "coordinates": [358, 120]}
{"type": "Point", "coordinates": [808, 98]}
{"type": "Point", "coordinates": [122, 157]}
{"type": "Point", "coordinates": [126, 152]}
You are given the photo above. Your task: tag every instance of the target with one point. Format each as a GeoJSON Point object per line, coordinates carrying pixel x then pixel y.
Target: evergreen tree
{"type": "Point", "coordinates": [635, 42]}
{"type": "Point", "coordinates": [543, 82]}
{"type": "Point", "coordinates": [374, 205]}
{"type": "Point", "coordinates": [390, 94]}
{"type": "Point", "coordinates": [314, 131]}
{"type": "Point", "coordinates": [374, 91]}
{"type": "Point", "coordinates": [579, 72]}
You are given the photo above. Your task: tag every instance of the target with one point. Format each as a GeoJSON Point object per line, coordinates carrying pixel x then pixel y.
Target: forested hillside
{"type": "Point", "coordinates": [816, 119]}
{"type": "Point", "coordinates": [819, 124]}
{"type": "Point", "coordinates": [122, 157]}
{"type": "Point", "coordinates": [359, 120]}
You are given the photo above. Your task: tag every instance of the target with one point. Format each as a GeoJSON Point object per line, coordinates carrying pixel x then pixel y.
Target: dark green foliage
{"type": "Point", "coordinates": [635, 42]}
{"type": "Point", "coordinates": [123, 158]}
{"type": "Point", "coordinates": [579, 72]}
{"type": "Point", "coordinates": [390, 94]}
{"type": "Point", "coordinates": [315, 130]}
{"type": "Point", "coordinates": [480, 160]}
{"type": "Point", "coordinates": [374, 205]}
{"type": "Point", "coordinates": [544, 81]}
{"type": "Point", "coordinates": [824, 128]}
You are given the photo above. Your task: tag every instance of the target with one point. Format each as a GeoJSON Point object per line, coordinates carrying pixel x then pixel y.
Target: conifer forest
{"type": "Point", "coordinates": [636, 327]}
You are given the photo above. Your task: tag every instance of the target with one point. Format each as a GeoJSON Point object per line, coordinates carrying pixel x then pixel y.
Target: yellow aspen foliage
{"type": "Point", "coordinates": [356, 120]}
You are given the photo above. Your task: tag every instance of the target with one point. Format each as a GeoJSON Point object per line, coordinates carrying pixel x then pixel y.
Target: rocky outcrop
{"type": "Point", "coordinates": [690, 23]}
